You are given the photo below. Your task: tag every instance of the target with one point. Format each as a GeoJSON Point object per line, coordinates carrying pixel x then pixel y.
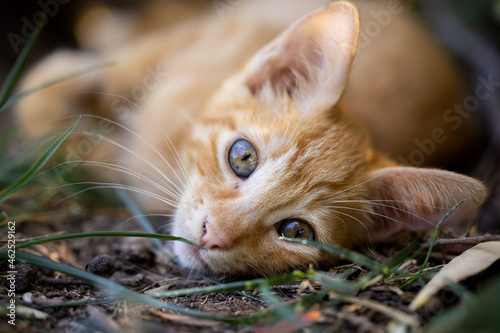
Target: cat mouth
{"type": "Point", "coordinates": [195, 252]}
{"type": "Point", "coordinates": [197, 260]}
{"type": "Point", "coordinates": [201, 259]}
{"type": "Point", "coordinates": [197, 256]}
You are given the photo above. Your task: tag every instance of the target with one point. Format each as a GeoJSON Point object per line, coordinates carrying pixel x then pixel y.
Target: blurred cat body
{"type": "Point", "coordinates": [324, 130]}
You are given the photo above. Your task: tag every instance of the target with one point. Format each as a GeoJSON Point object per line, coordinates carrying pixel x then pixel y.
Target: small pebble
{"type": "Point", "coordinates": [102, 265]}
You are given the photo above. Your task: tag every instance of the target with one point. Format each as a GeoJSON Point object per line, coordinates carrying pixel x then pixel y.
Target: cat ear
{"type": "Point", "coordinates": [414, 199]}
{"type": "Point", "coordinates": [309, 61]}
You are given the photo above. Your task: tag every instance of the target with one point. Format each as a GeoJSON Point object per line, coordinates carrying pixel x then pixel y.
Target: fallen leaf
{"type": "Point", "coordinates": [469, 263]}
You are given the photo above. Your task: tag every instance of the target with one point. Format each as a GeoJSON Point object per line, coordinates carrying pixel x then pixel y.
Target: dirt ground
{"type": "Point", "coordinates": [134, 263]}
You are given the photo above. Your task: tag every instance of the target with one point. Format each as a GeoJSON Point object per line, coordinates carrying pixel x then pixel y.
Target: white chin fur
{"type": "Point", "coordinates": [186, 258]}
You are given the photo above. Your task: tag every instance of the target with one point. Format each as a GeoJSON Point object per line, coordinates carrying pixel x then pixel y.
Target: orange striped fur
{"type": "Point", "coordinates": [317, 157]}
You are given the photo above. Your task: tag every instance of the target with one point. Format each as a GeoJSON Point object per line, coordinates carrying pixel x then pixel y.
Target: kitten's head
{"type": "Point", "coordinates": [274, 154]}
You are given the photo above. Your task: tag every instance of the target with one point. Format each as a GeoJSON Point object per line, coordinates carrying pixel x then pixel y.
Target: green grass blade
{"type": "Point", "coordinates": [434, 236]}
{"type": "Point", "coordinates": [399, 258]}
{"type": "Point", "coordinates": [118, 292]}
{"type": "Point", "coordinates": [102, 234]}
{"type": "Point", "coordinates": [6, 138]}
{"type": "Point", "coordinates": [104, 300]}
{"type": "Point", "coordinates": [115, 290]}
{"type": "Point", "coordinates": [348, 272]}
{"type": "Point", "coordinates": [4, 194]}
{"type": "Point", "coordinates": [16, 98]}
{"type": "Point", "coordinates": [282, 312]}
{"type": "Point", "coordinates": [13, 163]}
{"type": "Point", "coordinates": [15, 72]}
{"type": "Point", "coordinates": [238, 285]}
{"type": "Point", "coordinates": [350, 255]}
{"type": "Point", "coordinates": [3, 217]}
{"type": "Point", "coordinates": [338, 284]}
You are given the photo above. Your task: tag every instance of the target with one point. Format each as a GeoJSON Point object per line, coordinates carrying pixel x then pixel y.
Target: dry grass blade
{"type": "Point", "coordinates": [395, 314]}
{"type": "Point", "coordinates": [467, 264]}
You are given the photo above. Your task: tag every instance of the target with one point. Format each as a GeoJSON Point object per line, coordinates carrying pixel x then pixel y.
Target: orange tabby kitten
{"type": "Point", "coordinates": [293, 144]}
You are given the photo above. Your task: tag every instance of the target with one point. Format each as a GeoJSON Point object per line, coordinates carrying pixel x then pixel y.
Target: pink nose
{"type": "Point", "coordinates": [212, 239]}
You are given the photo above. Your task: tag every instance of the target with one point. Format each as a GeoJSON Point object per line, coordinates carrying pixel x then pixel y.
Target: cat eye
{"type": "Point", "coordinates": [296, 229]}
{"type": "Point", "coordinates": [243, 158]}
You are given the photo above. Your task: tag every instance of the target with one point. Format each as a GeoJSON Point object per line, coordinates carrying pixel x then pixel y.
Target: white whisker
{"type": "Point", "coordinates": [377, 202]}
{"type": "Point", "coordinates": [119, 168]}
{"type": "Point", "coordinates": [354, 186]}
{"type": "Point", "coordinates": [172, 149]}
{"type": "Point", "coordinates": [142, 215]}
{"type": "Point", "coordinates": [369, 212]}
{"type": "Point", "coordinates": [170, 145]}
{"type": "Point", "coordinates": [140, 138]}
{"type": "Point", "coordinates": [339, 218]}
{"type": "Point", "coordinates": [113, 142]}
{"type": "Point", "coordinates": [354, 218]}
{"type": "Point", "coordinates": [390, 206]}
{"type": "Point", "coordinates": [103, 185]}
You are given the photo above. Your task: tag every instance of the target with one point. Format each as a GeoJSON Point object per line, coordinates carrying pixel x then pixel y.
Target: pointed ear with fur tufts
{"type": "Point", "coordinates": [413, 199]}
{"type": "Point", "coordinates": [310, 61]}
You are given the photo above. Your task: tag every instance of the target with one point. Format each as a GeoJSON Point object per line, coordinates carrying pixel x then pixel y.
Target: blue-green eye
{"type": "Point", "coordinates": [243, 158]}
{"type": "Point", "coordinates": [296, 229]}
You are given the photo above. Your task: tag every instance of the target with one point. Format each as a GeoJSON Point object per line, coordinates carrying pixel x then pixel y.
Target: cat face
{"type": "Point", "coordinates": [259, 175]}
{"type": "Point", "coordinates": [274, 154]}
